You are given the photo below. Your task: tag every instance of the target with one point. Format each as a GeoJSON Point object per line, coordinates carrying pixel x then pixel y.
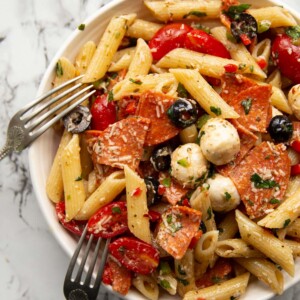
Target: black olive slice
{"type": "Point", "coordinates": [183, 112]}
{"type": "Point", "coordinates": [280, 129]}
{"type": "Point", "coordinates": [78, 120]}
{"type": "Point", "coordinates": [161, 158]}
{"type": "Point", "coordinates": [244, 24]}
{"type": "Point", "coordinates": [152, 185]}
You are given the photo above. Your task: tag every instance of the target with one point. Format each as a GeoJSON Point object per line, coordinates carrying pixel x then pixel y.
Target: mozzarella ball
{"type": "Point", "coordinates": [220, 141]}
{"type": "Point", "coordinates": [188, 165]}
{"type": "Point", "coordinates": [222, 193]}
{"type": "Point", "coordinates": [294, 100]}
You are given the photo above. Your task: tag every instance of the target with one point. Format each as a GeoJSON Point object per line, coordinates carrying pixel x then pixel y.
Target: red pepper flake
{"type": "Point", "coordinates": [185, 202]}
{"type": "Point", "coordinates": [161, 189]}
{"type": "Point", "coordinates": [245, 39]}
{"type": "Point", "coordinates": [261, 62]}
{"type": "Point", "coordinates": [231, 68]}
{"type": "Point", "coordinates": [295, 170]}
{"type": "Point", "coordinates": [153, 216]}
{"type": "Point", "coordinates": [131, 108]}
{"type": "Point", "coordinates": [136, 192]}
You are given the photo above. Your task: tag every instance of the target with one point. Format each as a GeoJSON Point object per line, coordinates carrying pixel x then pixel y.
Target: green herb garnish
{"type": "Point", "coordinates": [293, 32]}
{"type": "Point", "coordinates": [274, 201]}
{"type": "Point", "coordinates": [183, 281]}
{"type": "Point", "coordinates": [110, 96]}
{"type": "Point", "coordinates": [116, 210]}
{"type": "Point", "coordinates": [202, 120]}
{"type": "Point", "coordinates": [135, 81]}
{"type": "Point", "coordinates": [234, 11]}
{"type": "Point", "coordinates": [286, 223]}
{"type": "Point", "coordinates": [247, 103]}
{"type": "Point", "coordinates": [79, 178]}
{"type": "Point", "coordinates": [216, 110]}
{"type": "Point", "coordinates": [209, 214]}
{"type": "Point", "coordinates": [227, 196]}
{"type": "Point", "coordinates": [183, 162]}
{"type": "Point", "coordinates": [59, 69]}
{"type": "Point", "coordinates": [164, 284]}
{"type": "Point", "coordinates": [81, 27]}
{"type": "Point", "coordinates": [195, 13]}
{"type": "Point", "coordinates": [181, 91]}
{"type": "Point", "coordinates": [261, 183]}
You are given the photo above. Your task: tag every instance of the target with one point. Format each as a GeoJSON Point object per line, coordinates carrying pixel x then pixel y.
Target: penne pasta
{"type": "Point", "coordinates": [230, 289]}
{"type": "Point", "coordinates": [265, 242]}
{"type": "Point", "coordinates": [122, 59]}
{"type": "Point", "coordinates": [146, 285]}
{"type": "Point", "coordinates": [284, 214]}
{"type": "Point", "coordinates": [205, 95]}
{"type": "Point", "coordinates": [84, 57]}
{"type": "Point", "coordinates": [54, 184]}
{"type": "Point", "coordinates": [107, 47]}
{"type": "Point", "coordinates": [228, 227]}
{"type": "Point", "coordinates": [177, 10]}
{"type": "Point", "coordinates": [72, 178]}
{"type": "Point", "coordinates": [262, 51]}
{"type": "Point", "coordinates": [265, 271]}
{"type": "Point", "coordinates": [110, 188]}
{"type": "Point", "coordinates": [137, 209]}
{"type": "Point", "coordinates": [294, 229]}
{"type": "Point", "coordinates": [143, 29]}
{"type": "Point", "coordinates": [275, 79]}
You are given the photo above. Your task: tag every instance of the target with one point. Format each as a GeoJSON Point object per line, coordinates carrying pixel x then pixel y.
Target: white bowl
{"type": "Point", "coordinates": [47, 144]}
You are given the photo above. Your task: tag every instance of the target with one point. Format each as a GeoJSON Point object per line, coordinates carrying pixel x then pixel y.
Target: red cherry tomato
{"type": "Point", "coordinates": [287, 57]}
{"type": "Point", "coordinates": [296, 145]}
{"type": "Point", "coordinates": [73, 226]}
{"type": "Point", "coordinates": [295, 170]}
{"type": "Point", "coordinates": [109, 221]}
{"type": "Point", "coordinates": [135, 255]}
{"type": "Point", "coordinates": [103, 113]}
{"type": "Point", "coordinates": [200, 41]}
{"type": "Point", "coordinates": [168, 38]}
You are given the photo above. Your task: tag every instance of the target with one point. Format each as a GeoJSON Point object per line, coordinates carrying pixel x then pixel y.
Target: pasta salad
{"type": "Point", "coordinates": [187, 155]}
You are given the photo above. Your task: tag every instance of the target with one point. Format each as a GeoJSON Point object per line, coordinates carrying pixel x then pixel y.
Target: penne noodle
{"type": "Point", "coordinates": [122, 59]}
{"type": "Point", "coordinates": [108, 190]}
{"type": "Point", "coordinates": [266, 243]}
{"type": "Point", "coordinates": [294, 229]}
{"type": "Point", "coordinates": [84, 57]}
{"type": "Point", "coordinates": [54, 184]}
{"type": "Point", "coordinates": [205, 95]}
{"type": "Point", "coordinates": [265, 271]}
{"type": "Point", "coordinates": [293, 186]}
{"type": "Point", "coordinates": [143, 29]}
{"type": "Point", "coordinates": [177, 10]}
{"type": "Point", "coordinates": [228, 227]}
{"type": "Point", "coordinates": [146, 285]}
{"type": "Point", "coordinates": [107, 47]}
{"type": "Point", "coordinates": [275, 79]}
{"type": "Point", "coordinates": [72, 178]}
{"type": "Point", "coordinates": [230, 289]}
{"type": "Point", "coordinates": [295, 246]}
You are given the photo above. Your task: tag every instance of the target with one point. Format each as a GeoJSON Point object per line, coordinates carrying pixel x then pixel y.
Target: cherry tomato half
{"type": "Point", "coordinates": [103, 113]}
{"type": "Point", "coordinates": [287, 57]}
{"type": "Point", "coordinates": [135, 255]}
{"type": "Point", "coordinates": [295, 170]}
{"type": "Point", "coordinates": [296, 145]}
{"type": "Point", "coordinates": [167, 38]}
{"type": "Point", "coordinates": [200, 41]}
{"type": "Point", "coordinates": [72, 226]}
{"type": "Point", "coordinates": [109, 221]}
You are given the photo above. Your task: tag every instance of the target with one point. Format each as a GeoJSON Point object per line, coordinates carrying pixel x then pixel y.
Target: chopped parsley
{"type": "Point", "coordinates": [164, 268]}
{"type": "Point", "coordinates": [274, 201]}
{"type": "Point", "coordinates": [293, 32]}
{"type": "Point", "coordinates": [247, 103]}
{"type": "Point", "coordinates": [135, 81]}
{"type": "Point", "coordinates": [242, 66]}
{"type": "Point", "coordinates": [234, 11]}
{"type": "Point", "coordinates": [110, 96]}
{"type": "Point", "coordinates": [261, 183]}
{"type": "Point", "coordinates": [164, 284]}
{"type": "Point", "coordinates": [181, 91]}
{"type": "Point", "coordinates": [263, 26]}
{"type": "Point", "coordinates": [81, 27]}
{"type": "Point", "coordinates": [59, 70]}
{"type": "Point", "coordinates": [227, 196]}
{"type": "Point", "coordinates": [183, 162]}
{"type": "Point", "coordinates": [216, 279]}
{"type": "Point", "coordinates": [216, 110]}
{"type": "Point", "coordinates": [181, 271]}
{"type": "Point", "coordinates": [250, 202]}
{"type": "Point", "coordinates": [200, 135]}
{"type": "Point", "coordinates": [183, 281]}
{"type": "Point", "coordinates": [195, 13]}
{"type": "Point", "coordinates": [286, 223]}
{"type": "Point", "coordinates": [116, 210]}
{"type": "Point", "coordinates": [209, 214]}
{"type": "Point", "coordinates": [79, 178]}
{"type": "Point", "coordinates": [166, 182]}
{"type": "Point", "coordinates": [200, 26]}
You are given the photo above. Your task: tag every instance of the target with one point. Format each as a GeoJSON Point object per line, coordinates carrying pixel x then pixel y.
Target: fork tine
{"type": "Point", "coordinates": [93, 263]}
{"type": "Point", "coordinates": [102, 264]}
{"type": "Point", "coordinates": [49, 103]}
{"type": "Point", "coordinates": [84, 258]}
{"type": "Point", "coordinates": [44, 96]}
{"type": "Point", "coordinates": [50, 112]}
{"type": "Point", "coordinates": [75, 255]}
{"type": "Point", "coordinates": [47, 125]}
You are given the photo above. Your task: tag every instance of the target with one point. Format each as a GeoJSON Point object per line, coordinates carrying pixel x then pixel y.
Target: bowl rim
{"type": "Point", "coordinates": [38, 190]}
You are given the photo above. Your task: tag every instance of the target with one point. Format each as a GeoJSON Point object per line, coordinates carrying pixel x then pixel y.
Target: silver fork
{"type": "Point", "coordinates": [76, 289]}
{"type": "Point", "coordinates": [28, 124]}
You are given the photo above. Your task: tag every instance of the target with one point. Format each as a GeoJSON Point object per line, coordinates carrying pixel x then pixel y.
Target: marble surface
{"type": "Point", "coordinates": [32, 264]}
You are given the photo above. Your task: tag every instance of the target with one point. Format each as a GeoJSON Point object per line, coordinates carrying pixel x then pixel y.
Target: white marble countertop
{"type": "Point", "coordinates": [32, 264]}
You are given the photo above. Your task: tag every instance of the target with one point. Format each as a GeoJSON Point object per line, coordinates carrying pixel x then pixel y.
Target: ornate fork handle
{"type": "Point", "coordinates": [4, 151]}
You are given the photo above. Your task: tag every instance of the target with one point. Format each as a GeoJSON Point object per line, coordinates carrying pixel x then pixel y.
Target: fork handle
{"type": "Point", "coordinates": [78, 294]}
{"type": "Point", "coordinates": [4, 151]}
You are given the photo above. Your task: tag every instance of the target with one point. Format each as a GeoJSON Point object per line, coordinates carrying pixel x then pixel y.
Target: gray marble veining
{"type": "Point", "coordinates": [32, 264]}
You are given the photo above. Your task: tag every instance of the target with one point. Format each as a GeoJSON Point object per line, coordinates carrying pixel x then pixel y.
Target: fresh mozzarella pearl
{"type": "Point", "coordinates": [294, 100]}
{"type": "Point", "coordinates": [222, 193]}
{"type": "Point", "coordinates": [220, 141]}
{"type": "Point", "coordinates": [188, 165]}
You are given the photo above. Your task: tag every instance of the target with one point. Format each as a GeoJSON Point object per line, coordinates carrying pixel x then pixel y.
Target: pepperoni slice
{"type": "Point", "coordinates": [261, 178]}
{"type": "Point", "coordinates": [176, 230]}
{"type": "Point", "coordinates": [154, 106]}
{"type": "Point", "coordinates": [121, 143]}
